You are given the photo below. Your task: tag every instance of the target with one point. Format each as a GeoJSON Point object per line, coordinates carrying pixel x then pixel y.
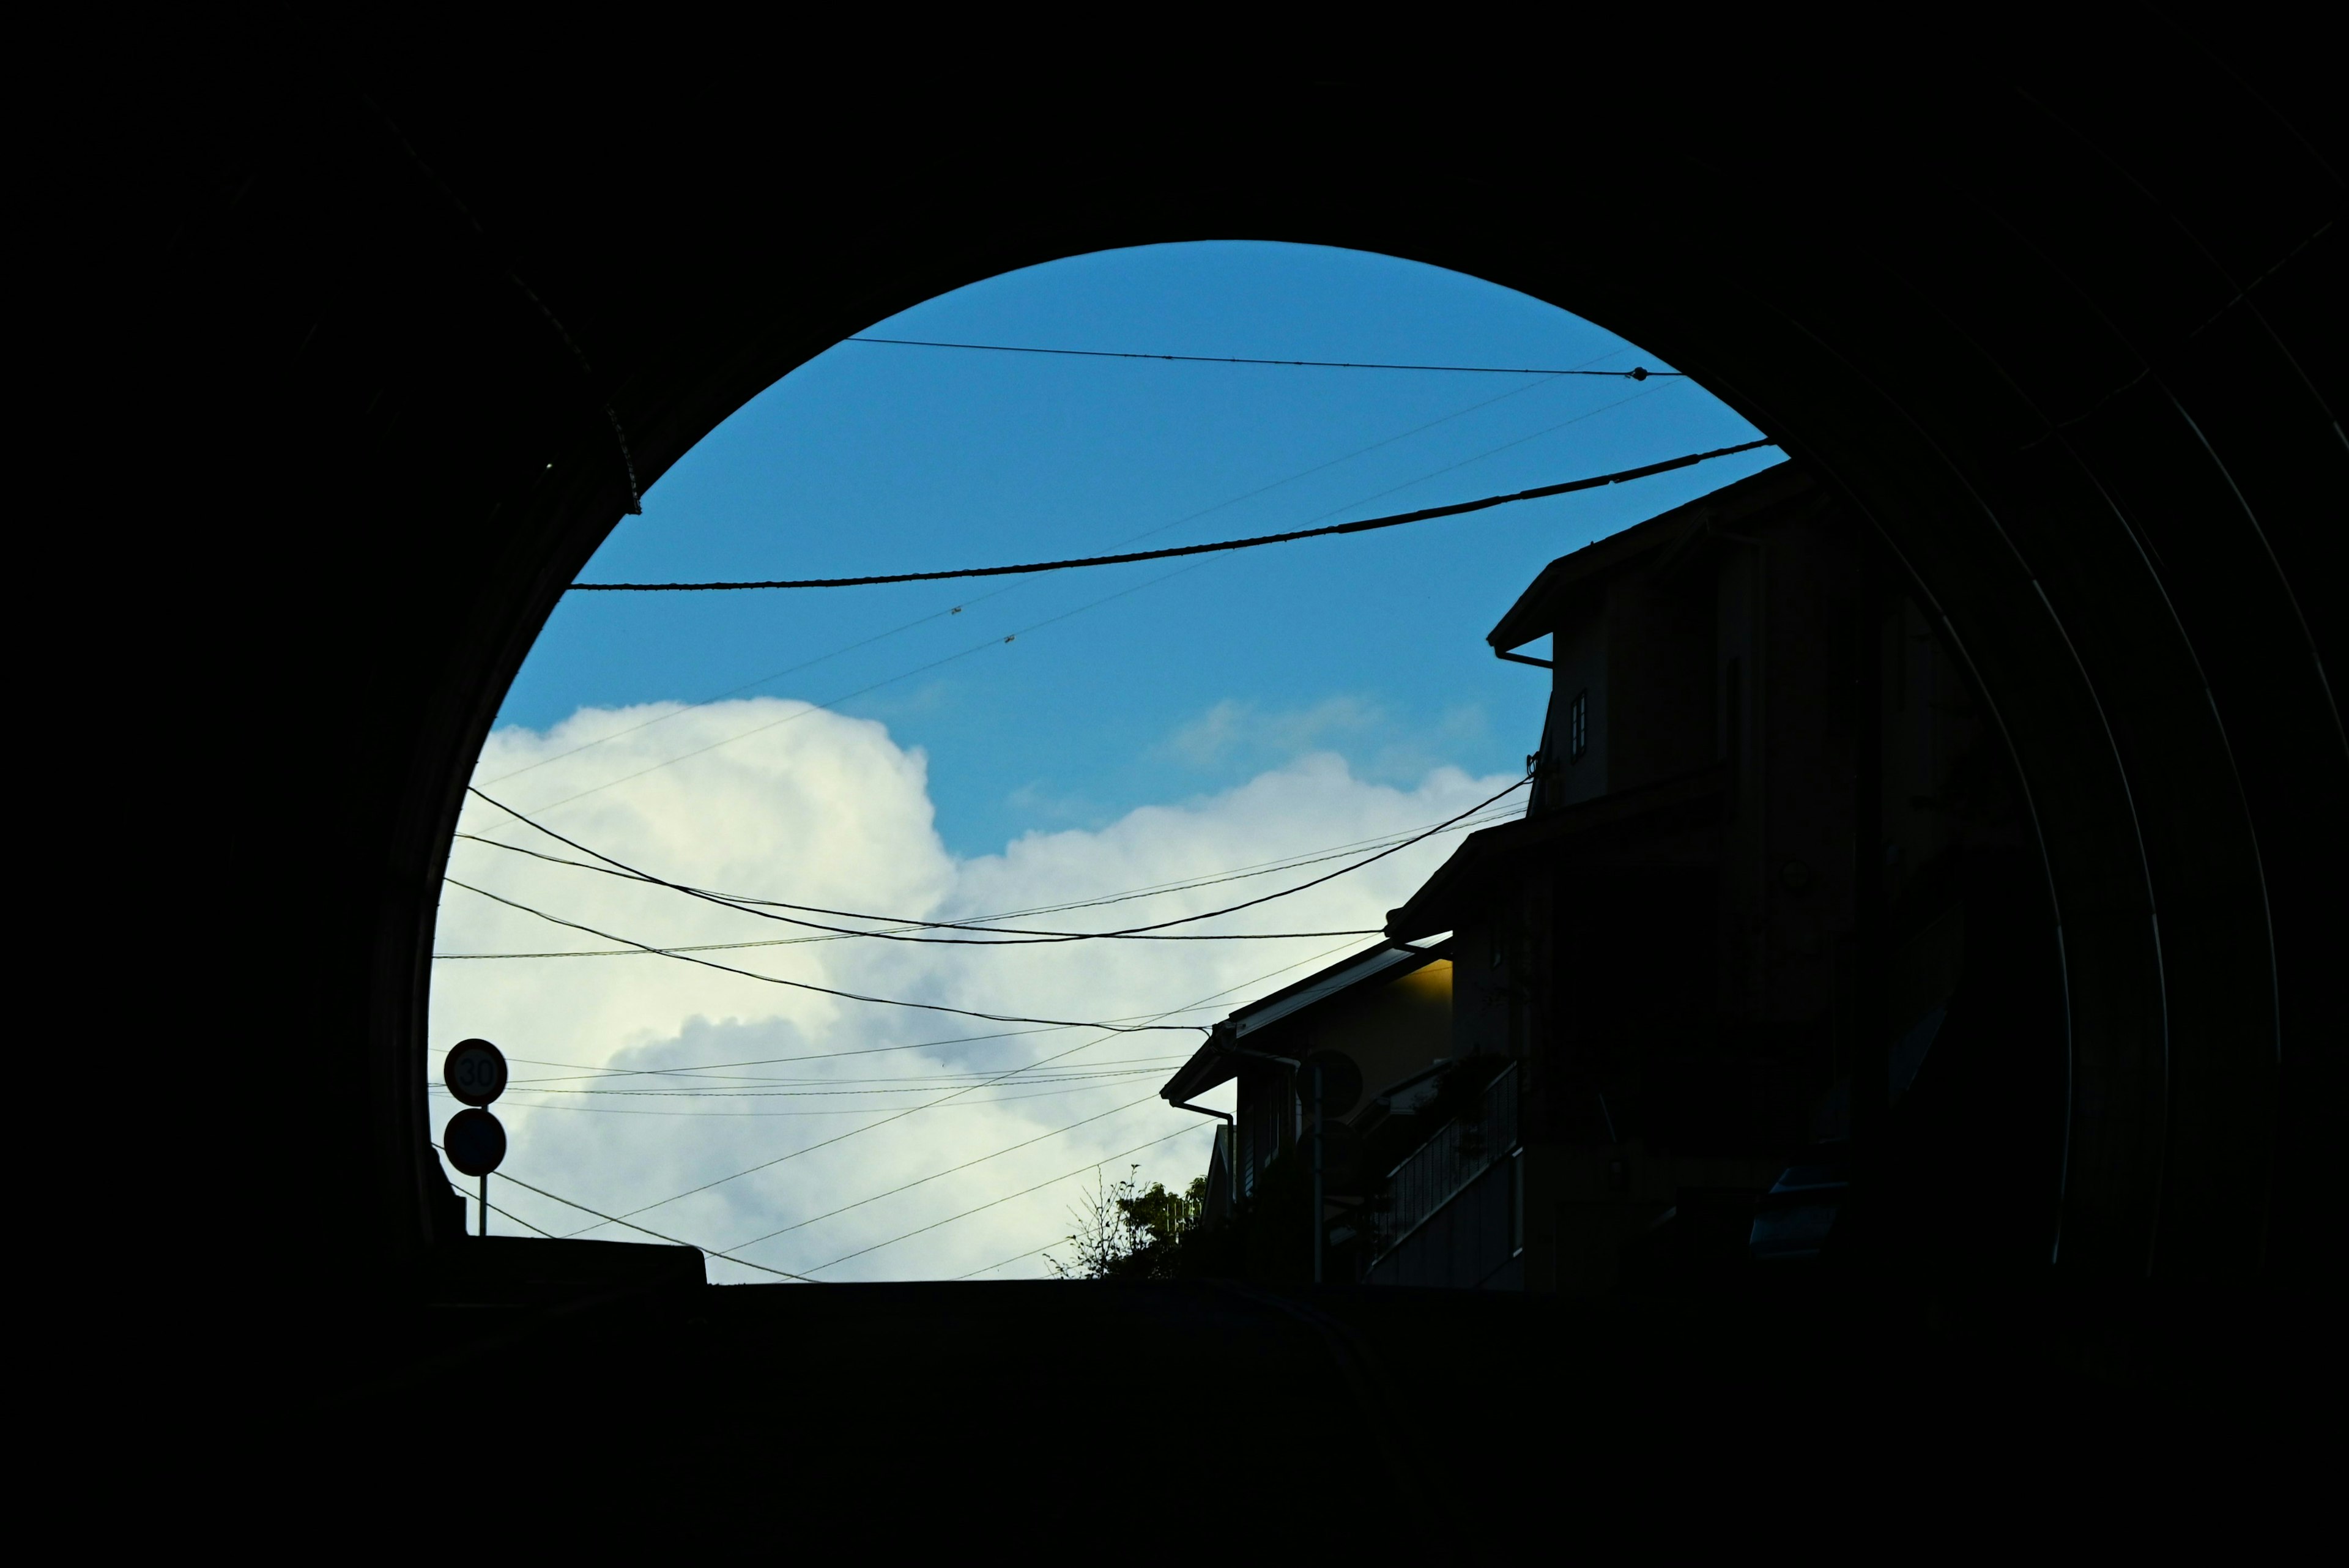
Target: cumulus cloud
{"type": "Point", "coordinates": [639, 1078]}
{"type": "Point", "coordinates": [1232, 728]}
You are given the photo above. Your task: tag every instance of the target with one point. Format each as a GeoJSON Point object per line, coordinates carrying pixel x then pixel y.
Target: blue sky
{"type": "Point", "coordinates": [1191, 678]}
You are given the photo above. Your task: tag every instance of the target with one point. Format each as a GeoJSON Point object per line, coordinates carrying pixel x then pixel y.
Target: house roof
{"type": "Point", "coordinates": [1466, 881]}
{"type": "Point", "coordinates": [1210, 1065]}
{"type": "Point", "coordinates": [1555, 596]}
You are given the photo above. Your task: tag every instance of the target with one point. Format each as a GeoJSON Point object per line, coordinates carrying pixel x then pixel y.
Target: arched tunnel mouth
{"type": "Point", "coordinates": [2069, 414]}
{"type": "Point", "coordinates": [1666, 981]}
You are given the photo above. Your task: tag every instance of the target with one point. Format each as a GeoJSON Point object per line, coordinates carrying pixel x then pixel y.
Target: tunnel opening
{"type": "Point", "coordinates": [2071, 382]}
{"type": "Point", "coordinates": [1697, 983]}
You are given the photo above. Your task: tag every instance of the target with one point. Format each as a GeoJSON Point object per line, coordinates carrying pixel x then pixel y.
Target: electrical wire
{"type": "Point", "coordinates": [573, 1203]}
{"type": "Point", "coordinates": [958, 1093]}
{"type": "Point", "coordinates": [1333, 462]}
{"type": "Point", "coordinates": [747, 685]}
{"type": "Point", "coordinates": [824, 1111]}
{"type": "Point", "coordinates": [966, 1164]}
{"type": "Point", "coordinates": [732, 1094]}
{"type": "Point", "coordinates": [1365, 525]}
{"type": "Point", "coordinates": [1638, 373]}
{"type": "Point", "coordinates": [998, 1202]}
{"type": "Point", "coordinates": [1013, 1259]}
{"type": "Point", "coordinates": [1475, 458]}
{"type": "Point", "coordinates": [898, 923]}
{"type": "Point", "coordinates": [832, 704]}
{"type": "Point", "coordinates": [934, 1079]}
{"type": "Point", "coordinates": [958, 609]}
{"type": "Point", "coordinates": [712, 1075]}
{"type": "Point", "coordinates": [810, 985]}
{"type": "Point", "coordinates": [1242, 874]}
{"type": "Point", "coordinates": [1018, 937]}
{"type": "Point", "coordinates": [861, 1051]}
{"type": "Point", "coordinates": [942, 925]}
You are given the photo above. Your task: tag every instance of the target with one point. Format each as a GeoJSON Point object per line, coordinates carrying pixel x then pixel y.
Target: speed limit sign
{"type": "Point", "coordinates": [475, 1071]}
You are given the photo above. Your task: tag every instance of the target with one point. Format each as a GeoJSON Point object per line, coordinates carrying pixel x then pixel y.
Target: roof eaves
{"type": "Point", "coordinates": [1210, 1064]}
{"type": "Point", "coordinates": [1437, 905]}
{"type": "Point", "coordinates": [1539, 606]}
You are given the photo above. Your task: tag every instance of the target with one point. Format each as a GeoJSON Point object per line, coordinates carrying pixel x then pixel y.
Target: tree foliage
{"type": "Point", "coordinates": [1124, 1233]}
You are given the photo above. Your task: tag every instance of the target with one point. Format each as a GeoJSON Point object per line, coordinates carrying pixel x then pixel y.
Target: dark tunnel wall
{"type": "Point", "coordinates": [2053, 319]}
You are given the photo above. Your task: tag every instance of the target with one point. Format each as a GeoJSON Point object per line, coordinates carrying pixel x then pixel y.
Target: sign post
{"type": "Point", "coordinates": [474, 1072]}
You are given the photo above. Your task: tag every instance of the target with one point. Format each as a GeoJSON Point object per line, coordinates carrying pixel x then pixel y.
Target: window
{"type": "Point", "coordinates": [1577, 726]}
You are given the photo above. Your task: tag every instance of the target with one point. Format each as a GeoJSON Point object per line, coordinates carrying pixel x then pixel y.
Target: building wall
{"type": "Point", "coordinates": [1390, 1030]}
{"type": "Point", "coordinates": [1678, 981]}
{"type": "Point", "coordinates": [1660, 663]}
{"type": "Point", "coordinates": [1474, 1243]}
{"type": "Point", "coordinates": [1680, 1002]}
{"type": "Point", "coordinates": [1579, 654]}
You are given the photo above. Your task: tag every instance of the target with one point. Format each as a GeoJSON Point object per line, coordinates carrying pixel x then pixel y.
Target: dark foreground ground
{"type": "Point", "coordinates": [1197, 1417]}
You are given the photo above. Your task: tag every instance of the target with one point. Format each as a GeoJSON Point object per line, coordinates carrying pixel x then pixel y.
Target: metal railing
{"type": "Point", "coordinates": [1437, 1171]}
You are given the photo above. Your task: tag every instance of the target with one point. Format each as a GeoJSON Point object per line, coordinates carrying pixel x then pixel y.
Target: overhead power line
{"type": "Point", "coordinates": [599, 1076]}
{"type": "Point", "coordinates": [809, 985]}
{"type": "Point", "coordinates": [1013, 1259]}
{"type": "Point", "coordinates": [760, 913]}
{"type": "Point", "coordinates": [803, 1114]}
{"type": "Point", "coordinates": [981, 598]}
{"type": "Point", "coordinates": [1266, 868]}
{"type": "Point", "coordinates": [504, 1175]}
{"type": "Point", "coordinates": [1366, 526]}
{"type": "Point", "coordinates": [957, 1094]}
{"type": "Point", "coordinates": [1637, 373]}
{"type": "Point", "coordinates": [698, 1070]}
{"type": "Point", "coordinates": [994, 1202]}
{"type": "Point", "coordinates": [745, 686]}
{"type": "Point", "coordinates": [901, 928]}
{"type": "Point", "coordinates": [729, 1091]}
{"type": "Point", "coordinates": [937, 1174]}
{"type": "Point", "coordinates": [832, 704]}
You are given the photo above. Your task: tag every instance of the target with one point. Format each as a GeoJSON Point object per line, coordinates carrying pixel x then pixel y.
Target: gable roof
{"type": "Point", "coordinates": [1496, 857]}
{"type": "Point", "coordinates": [1209, 1067]}
{"type": "Point", "coordinates": [1554, 595]}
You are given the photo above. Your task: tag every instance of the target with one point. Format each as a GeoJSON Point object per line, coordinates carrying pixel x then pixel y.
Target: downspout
{"type": "Point", "coordinates": [1295, 1067]}
{"type": "Point", "coordinates": [1230, 1121]}
{"type": "Point", "coordinates": [1549, 711]}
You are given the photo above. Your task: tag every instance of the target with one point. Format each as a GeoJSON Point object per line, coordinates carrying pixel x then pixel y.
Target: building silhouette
{"type": "Point", "coordinates": [1771, 877]}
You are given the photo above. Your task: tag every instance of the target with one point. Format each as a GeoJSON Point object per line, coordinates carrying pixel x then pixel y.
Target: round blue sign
{"type": "Point", "coordinates": [475, 1141]}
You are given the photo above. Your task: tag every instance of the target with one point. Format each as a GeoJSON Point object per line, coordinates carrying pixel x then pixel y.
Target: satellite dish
{"type": "Point", "coordinates": [1341, 1082]}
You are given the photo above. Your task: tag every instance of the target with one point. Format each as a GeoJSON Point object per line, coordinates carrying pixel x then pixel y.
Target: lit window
{"type": "Point", "coordinates": [1577, 726]}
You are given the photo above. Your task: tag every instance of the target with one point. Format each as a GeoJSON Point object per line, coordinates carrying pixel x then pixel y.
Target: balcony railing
{"type": "Point", "coordinates": [1437, 1171]}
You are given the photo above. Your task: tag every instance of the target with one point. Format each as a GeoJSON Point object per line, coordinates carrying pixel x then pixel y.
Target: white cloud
{"type": "Point", "coordinates": [828, 811]}
{"type": "Point", "coordinates": [1233, 728]}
